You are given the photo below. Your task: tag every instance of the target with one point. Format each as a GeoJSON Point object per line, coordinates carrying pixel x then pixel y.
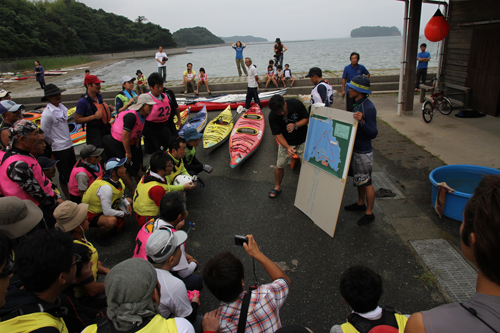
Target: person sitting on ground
{"type": "Point", "coordinates": [79, 315]}
{"type": "Point", "coordinates": [202, 80]}
{"type": "Point", "coordinates": [20, 173]}
{"type": "Point", "coordinates": [85, 172]}
{"type": "Point", "coordinates": [107, 202]}
{"type": "Point", "coordinates": [46, 265]}
{"type": "Point", "coordinates": [280, 76]}
{"type": "Point", "coordinates": [163, 250]}
{"type": "Point", "coordinates": [193, 166]}
{"type": "Point", "coordinates": [133, 296]}
{"type": "Point", "coordinates": [362, 158]}
{"type": "Point", "coordinates": [49, 169]}
{"type": "Point", "coordinates": [126, 135]}
{"type": "Point", "coordinates": [127, 96]}
{"type": "Point", "coordinates": [11, 112]}
{"type": "Point", "coordinates": [480, 240]}
{"type": "Point", "coordinates": [288, 120]}
{"type": "Point", "coordinates": [224, 276]}
{"type": "Point", "coordinates": [19, 218]}
{"type": "Point", "coordinates": [6, 264]}
{"type": "Point", "coordinates": [73, 219]}
{"type": "Point", "coordinates": [322, 91]}
{"type": "Point", "coordinates": [5, 95]}
{"type": "Point", "coordinates": [361, 288]}
{"type": "Point", "coordinates": [189, 78]}
{"type": "Point", "coordinates": [141, 83]}
{"type": "Point", "coordinates": [177, 152]}
{"type": "Point", "coordinates": [152, 187]}
{"type": "Point", "coordinates": [173, 216]}
{"type": "Point", "coordinates": [270, 77]}
{"type": "Point", "coordinates": [288, 75]}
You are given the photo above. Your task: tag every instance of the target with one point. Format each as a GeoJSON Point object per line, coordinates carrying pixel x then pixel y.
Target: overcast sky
{"type": "Point", "coordinates": [289, 20]}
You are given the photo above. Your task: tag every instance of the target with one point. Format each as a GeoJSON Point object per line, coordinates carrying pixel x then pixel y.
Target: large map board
{"type": "Point", "coordinates": [323, 174]}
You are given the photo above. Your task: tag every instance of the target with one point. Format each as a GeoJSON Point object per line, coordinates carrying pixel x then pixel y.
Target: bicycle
{"type": "Point", "coordinates": [439, 102]}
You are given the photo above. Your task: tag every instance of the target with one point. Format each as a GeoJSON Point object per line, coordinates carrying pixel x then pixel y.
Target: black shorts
{"type": "Point", "coordinates": [67, 161]}
{"type": "Point", "coordinates": [114, 148]}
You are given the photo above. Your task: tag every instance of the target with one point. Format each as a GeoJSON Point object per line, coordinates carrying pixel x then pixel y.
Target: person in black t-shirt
{"type": "Point", "coordinates": [288, 121]}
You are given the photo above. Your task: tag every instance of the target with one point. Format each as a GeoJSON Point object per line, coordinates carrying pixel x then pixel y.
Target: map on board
{"type": "Point", "coordinates": [327, 144]}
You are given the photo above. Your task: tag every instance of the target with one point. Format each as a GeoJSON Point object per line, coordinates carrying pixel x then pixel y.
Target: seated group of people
{"type": "Point", "coordinates": [278, 74]}
{"type": "Point", "coordinates": [189, 79]}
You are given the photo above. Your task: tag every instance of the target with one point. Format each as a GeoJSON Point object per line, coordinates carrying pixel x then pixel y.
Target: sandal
{"type": "Point", "coordinates": [383, 193]}
{"type": "Point", "coordinates": [274, 193]}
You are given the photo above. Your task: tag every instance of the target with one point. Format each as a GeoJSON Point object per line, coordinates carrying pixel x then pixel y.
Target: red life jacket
{"type": "Point", "coordinates": [117, 128]}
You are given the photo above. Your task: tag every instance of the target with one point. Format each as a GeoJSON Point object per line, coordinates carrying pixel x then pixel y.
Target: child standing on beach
{"type": "Point", "coordinates": [202, 80]}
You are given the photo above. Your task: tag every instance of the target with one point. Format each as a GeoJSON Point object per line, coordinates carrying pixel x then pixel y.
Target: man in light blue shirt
{"type": "Point", "coordinates": [423, 62]}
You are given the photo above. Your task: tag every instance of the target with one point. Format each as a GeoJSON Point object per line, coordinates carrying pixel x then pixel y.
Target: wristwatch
{"type": "Point", "coordinates": [296, 127]}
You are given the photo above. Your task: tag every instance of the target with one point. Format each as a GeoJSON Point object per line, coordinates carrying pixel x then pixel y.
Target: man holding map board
{"type": "Point", "coordinates": [288, 121]}
{"type": "Point", "coordinates": [362, 157]}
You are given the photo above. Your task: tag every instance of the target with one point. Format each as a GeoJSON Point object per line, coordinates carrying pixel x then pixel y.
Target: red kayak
{"type": "Point", "coordinates": [246, 135]}
{"type": "Point", "coordinates": [213, 106]}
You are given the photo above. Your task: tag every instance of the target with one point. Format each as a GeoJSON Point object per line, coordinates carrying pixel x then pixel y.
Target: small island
{"type": "Point", "coordinates": [377, 31]}
{"type": "Point", "coordinates": [195, 36]}
{"type": "Point", "coordinates": [244, 39]}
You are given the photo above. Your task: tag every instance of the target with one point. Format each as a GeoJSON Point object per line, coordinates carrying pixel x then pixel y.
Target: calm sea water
{"type": "Point", "coordinates": [328, 54]}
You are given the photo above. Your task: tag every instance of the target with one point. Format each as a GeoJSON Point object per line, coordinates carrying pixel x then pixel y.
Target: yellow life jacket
{"type": "Point", "coordinates": [31, 322]}
{"type": "Point", "coordinates": [157, 325]}
{"type": "Point", "coordinates": [401, 320]}
{"type": "Point", "coordinates": [90, 196]}
{"type": "Point", "coordinates": [143, 204]}
{"type": "Point", "coordinates": [179, 168]}
{"type": "Point", "coordinates": [79, 291]}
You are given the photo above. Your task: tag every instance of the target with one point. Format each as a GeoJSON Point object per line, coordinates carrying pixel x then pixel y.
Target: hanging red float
{"type": "Point", "coordinates": [437, 28]}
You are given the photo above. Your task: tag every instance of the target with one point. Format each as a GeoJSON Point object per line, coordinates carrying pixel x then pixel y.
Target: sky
{"type": "Point", "coordinates": [289, 20]}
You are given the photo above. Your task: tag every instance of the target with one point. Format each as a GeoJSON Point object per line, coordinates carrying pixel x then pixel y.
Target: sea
{"type": "Point", "coordinates": [327, 54]}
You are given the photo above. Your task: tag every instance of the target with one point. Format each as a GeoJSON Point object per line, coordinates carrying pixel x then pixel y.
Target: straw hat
{"type": "Point", "coordinates": [70, 215]}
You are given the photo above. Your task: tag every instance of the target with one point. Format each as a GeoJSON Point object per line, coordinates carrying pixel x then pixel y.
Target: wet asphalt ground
{"type": "Point", "coordinates": [235, 202]}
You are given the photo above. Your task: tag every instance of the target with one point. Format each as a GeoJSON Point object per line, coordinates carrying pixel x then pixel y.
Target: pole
{"type": "Point", "coordinates": [403, 63]}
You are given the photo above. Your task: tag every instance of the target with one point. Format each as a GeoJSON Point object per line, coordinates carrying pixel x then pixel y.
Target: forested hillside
{"type": "Point", "coordinates": [196, 36]}
{"type": "Point", "coordinates": [377, 31]}
{"type": "Point", "coordinates": [66, 27]}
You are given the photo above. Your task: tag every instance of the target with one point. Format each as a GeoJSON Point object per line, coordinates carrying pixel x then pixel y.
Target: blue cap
{"type": "Point", "coordinates": [115, 162]}
{"type": "Point", "coordinates": [360, 83]}
{"type": "Point", "coordinates": [191, 133]}
{"type": "Point", "coordinates": [9, 106]}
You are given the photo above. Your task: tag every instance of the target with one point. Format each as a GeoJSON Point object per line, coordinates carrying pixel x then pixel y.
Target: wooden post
{"type": "Point", "coordinates": [411, 56]}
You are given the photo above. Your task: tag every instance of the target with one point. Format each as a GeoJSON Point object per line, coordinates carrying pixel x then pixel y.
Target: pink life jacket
{"type": "Point", "coordinates": [81, 167]}
{"type": "Point", "coordinates": [161, 110]}
{"type": "Point", "coordinates": [142, 238]}
{"type": "Point", "coordinates": [2, 153]}
{"type": "Point", "coordinates": [117, 128]}
{"type": "Point", "coordinates": [11, 188]}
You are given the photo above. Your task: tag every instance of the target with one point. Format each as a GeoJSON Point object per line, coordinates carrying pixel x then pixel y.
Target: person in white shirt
{"type": "Point", "coordinates": [163, 250]}
{"type": "Point", "coordinates": [161, 58]}
{"type": "Point", "coordinates": [253, 84]}
{"type": "Point", "coordinates": [54, 123]}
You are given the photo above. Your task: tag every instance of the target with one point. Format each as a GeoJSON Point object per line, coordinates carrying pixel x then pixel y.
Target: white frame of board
{"type": "Point", "coordinates": [319, 194]}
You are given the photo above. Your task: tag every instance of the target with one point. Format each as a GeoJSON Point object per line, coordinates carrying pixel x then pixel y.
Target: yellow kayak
{"type": "Point", "coordinates": [184, 117]}
{"type": "Point", "coordinates": [218, 129]}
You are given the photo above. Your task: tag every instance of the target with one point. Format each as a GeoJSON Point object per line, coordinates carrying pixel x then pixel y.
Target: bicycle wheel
{"type": "Point", "coordinates": [427, 111]}
{"type": "Point", "coordinates": [444, 106]}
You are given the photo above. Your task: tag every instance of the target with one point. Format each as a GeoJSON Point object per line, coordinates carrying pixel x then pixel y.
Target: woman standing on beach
{"type": "Point", "coordinates": [40, 74]}
{"type": "Point", "coordinates": [239, 46]}
{"type": "Point", "coordinates": [279, 49]}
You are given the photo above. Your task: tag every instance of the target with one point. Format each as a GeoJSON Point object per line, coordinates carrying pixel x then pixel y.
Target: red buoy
{"type": "Point", "coordinates": [437, 28]}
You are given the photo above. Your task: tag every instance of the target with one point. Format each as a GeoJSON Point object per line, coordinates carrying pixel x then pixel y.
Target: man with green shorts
{"type": "Point", "coordinates": [288, 121]}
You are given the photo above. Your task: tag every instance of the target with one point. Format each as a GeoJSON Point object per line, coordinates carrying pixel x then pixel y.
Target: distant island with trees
{"type": "Point", "coordinates": [377, 31]}
{"type": "Point", "coordinates": [195, 36]}
{"type": "Point", "coordinates": [244, 39]}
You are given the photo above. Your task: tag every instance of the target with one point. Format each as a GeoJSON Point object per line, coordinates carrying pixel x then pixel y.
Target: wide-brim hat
{"type": "Point", "coordinates": [162, 244]}
{"type": "Point", "coordinates": [360, 83]}
{"type": "Point", "coordinates": [51, 90]}
{"type": "Point", "coordinates": [70, 215]}
{"type": "Point", "coordinates": [191, 134]}
{"type": "Point", "coordinates": [18, 217]}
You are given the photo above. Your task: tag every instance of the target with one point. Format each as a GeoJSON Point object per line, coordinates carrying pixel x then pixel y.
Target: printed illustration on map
{"type": "Point", "coordinates": [327, 144]}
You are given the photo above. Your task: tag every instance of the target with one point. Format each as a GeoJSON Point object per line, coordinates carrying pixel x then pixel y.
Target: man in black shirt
{"type": "Point", "coordinates": [288, 121]}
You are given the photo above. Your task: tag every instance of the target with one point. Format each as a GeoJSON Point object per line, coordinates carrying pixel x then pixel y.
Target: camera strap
{"type": "Point", "coordinates": [242, 323]}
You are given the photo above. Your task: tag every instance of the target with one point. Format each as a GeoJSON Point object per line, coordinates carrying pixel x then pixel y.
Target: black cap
{"type": "Point", "coordinates": [46, 163]}
{"type": "Point", "coordinates": [315, 71]}
{"type": "Point", "coordinates": [138, 71]}
{"type": "Point", "coordinates": [51, 90]}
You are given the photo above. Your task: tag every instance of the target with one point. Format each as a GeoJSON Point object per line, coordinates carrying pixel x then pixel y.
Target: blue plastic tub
{"type": "Point", "coordinates": [463, 179]}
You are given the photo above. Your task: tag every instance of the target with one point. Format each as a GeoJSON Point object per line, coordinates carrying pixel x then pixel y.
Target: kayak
{"type": "Point", "coordinates": [222, 102]}
{"type": "Point", "coordinates": [218, 130]}
{"type": "Point", "coordinates": [198, 121]}
{"type": "Point", "coordinates": [34, 115]}
{"type": "Point", "coordinates": [295, 157]}
{"type": "Point", "coordinates": [246, 135]}
{"type": "Point", "coordinates": [184, 117]}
